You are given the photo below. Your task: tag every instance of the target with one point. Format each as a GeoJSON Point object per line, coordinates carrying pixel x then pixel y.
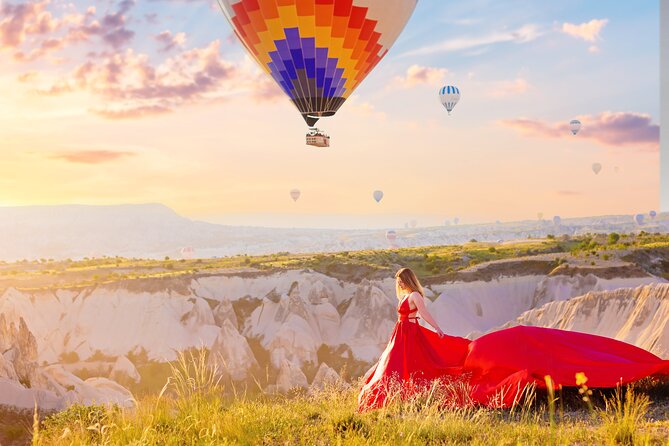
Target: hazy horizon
{"type": "Point", "coordinates": [379, 221]}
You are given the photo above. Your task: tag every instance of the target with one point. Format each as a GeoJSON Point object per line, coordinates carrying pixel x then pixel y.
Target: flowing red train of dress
{"type": "Point", "coordinates": [498, 365]}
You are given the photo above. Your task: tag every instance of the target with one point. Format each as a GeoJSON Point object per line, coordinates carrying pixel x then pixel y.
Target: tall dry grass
{"type": "Point", "coordinates": [193, 409]}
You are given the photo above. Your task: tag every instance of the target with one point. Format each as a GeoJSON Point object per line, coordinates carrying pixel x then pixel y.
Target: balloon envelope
{"type": "Point", "coordinates": [557, 220]}
{"type": "Point", "coordinates": [639, 219]}
{"type": "Point", "coordinates": [295, 194]}
{"type": "Point", "coordinates": [652, 214]}
{"type": "Point", "coordinates": [378, 195]}
{"type": "Point", "coordinates": [596, 167]}
{"type": "Point", "coordinates": [318, 51]}
{"type": "Point", "coordinates": [449, 97]}
{"type": "Point", "coordinates": [413, 223]}
{"type": "Point", "coordinates": [187, 252]}
{"type": "Point", "coordinates": [391, 235]}
{"type": "Point", "coordinates": [456, 220]}
{"type": "Point", "coordinates": [575, 126]}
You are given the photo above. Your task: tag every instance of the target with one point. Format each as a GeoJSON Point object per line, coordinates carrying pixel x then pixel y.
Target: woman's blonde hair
{"type": "Point", "coordinates": [410, 281]}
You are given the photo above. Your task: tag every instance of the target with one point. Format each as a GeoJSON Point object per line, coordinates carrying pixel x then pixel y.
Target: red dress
{"type": "Point", "coordinates": [498, 365]}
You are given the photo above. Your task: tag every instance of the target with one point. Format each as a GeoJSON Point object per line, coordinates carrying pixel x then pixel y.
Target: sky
{"type": "Point", "coordinates": [113, 102]}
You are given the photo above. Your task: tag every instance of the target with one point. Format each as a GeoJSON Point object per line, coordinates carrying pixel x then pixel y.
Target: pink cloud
{"type": "Point", "coordinates": [137, 111]}
{"type": "Point", "coordinates": [590, 31]}
{"type": "Point", "coordinates": [91, 156]}
{"type": "Point", "coordinates": [28, 76]}
{"type": "Point", "coordinates": [170, 41]}
{"type": "Point", "coordinates": [607, 128]}
{"type": "Point", "coordinates": [31, 31]}
{"type": "Point", "coordinates": [131, 86]}
{"type": "Point", "coordinates": [19, 21]}
{"type": "Point", "coordinates": [421, 75]}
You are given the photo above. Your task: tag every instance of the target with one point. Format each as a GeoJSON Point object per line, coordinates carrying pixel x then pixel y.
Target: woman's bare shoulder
{"type": "Point", "coordinates": [415, 295]}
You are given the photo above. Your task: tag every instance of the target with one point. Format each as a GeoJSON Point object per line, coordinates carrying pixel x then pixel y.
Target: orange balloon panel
{"type": "Point", "coordinates": [318, 51]}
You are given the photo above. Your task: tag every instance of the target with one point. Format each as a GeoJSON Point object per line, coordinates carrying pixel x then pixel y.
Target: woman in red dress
{"type": "Point", "coordinates": [499, 365]}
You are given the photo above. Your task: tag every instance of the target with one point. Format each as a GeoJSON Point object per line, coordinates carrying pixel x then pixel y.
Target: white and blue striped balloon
{"type": "Point", "coordinates": [449, 96]}
{"type": "Point", "coordinates": [575, 126]}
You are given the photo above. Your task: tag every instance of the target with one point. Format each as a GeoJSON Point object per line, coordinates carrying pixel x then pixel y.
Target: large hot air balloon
{"type": "Point", "coordinates": [596, 167]}
{"type": "Point", "coordinates": [575, 126]}
{"type": "Point", "coordinates": [391, 236]}
{"type": "Point", "coordinates": [557, 220]}
{"type": "Point", "coordinates": [378, 195]}
{"type": "Point", "coordinates": [295, 194]}
{"type": "Point", "coordinates": [652, 214]}
{"type": "Point", "coordinates": [318, 51]}
{"type": "Point", "coordinates": [449, 96]}
{"type": "Point", "coordinates": [639, 219]}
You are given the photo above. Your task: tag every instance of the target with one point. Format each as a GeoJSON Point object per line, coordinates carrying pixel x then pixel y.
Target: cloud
{"type": "Point", "coordinates": [524, 34]}
{"type": "Point", "coordinates": [420, 75]}
{"type": "Point", "coordinates": [151, 18]}
{"type": "Point", "coordinates": [132, 111]}
{"type": "Point", "coordinates": [30, 31]}
{"type": "Point", "coordinates": [170, 41]}
{"type": "Point", "coordinates": [590, 31]}
{"type": "Point", "coordinates": [91, 156]}
{"type": "Point", "coordinates": [129, 85]}
{"type": "Point", "coordinates": [28, 76]}
{"type": "Point", "coordinates": [607, 128]}
{"type": "Point", "coordinates": [19, 21]}
{"type": "Point", "coordinates": [366, 109]}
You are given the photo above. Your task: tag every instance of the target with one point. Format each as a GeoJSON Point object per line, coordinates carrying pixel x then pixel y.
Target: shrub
{"type": "Point", "coordinates": [613, 238]}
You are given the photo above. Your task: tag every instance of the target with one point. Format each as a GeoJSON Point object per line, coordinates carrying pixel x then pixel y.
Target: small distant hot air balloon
{"type": "Point", "coordinates": [295, 194]}
{"type": "Point", "coordinates": [456, 220]}
{"type": "Point", "coordinates": [413, 223]}
{"type": "Point", "coordinates": [378, 195]}
{"type": "Point", "coordinates": [575, 126]}
{"type": "Point", "coordinates": [639, 219]}
{"type": "Point", "coordinates": [406, 225]}
{"type": "Point", "coordinates": [391, 236]}
{"type": "Point", "coordinates": [187, 252]}
{"type": "Point", "coordinates": [540, 215]}
{"type": "Point", "coordinates": [596, 167]}
{"type": "Point", "coordinates": [557, 220]}
{"type": "Point", "coordinates": [498, 222]}
{"type": "Point", "coordinates": [447, 222]}
{"type": "Point", "coordinates": [652, 214]}
{"type": "Point", "coordinates": [449, 96]}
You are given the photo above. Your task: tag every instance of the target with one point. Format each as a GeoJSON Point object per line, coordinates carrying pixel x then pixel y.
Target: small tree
{"type": "Point", "coordinates": [613, 238]}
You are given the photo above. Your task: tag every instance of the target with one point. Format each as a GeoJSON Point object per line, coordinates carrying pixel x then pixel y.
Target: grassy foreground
{"type": "Point", "coordinates": [195, 410]}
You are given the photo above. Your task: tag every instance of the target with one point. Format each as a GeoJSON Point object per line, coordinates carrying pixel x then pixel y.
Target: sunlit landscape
{"type": "Point", "coordinates": [327, 222]}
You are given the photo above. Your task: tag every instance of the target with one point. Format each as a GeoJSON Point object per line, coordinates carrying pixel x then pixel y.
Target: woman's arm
{"type": "Point", "coordinates": [419, 302]}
